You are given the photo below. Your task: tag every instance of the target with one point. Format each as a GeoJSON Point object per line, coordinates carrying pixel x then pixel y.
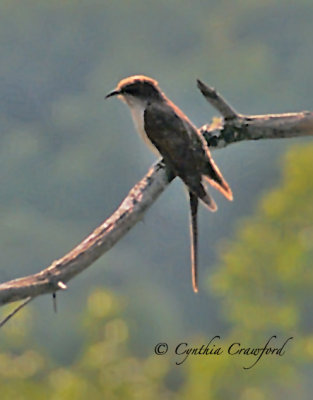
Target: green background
{"type": "Point", "coordinates": [68, 158]}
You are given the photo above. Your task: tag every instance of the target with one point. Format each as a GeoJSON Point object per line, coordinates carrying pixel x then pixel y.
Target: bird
{"type": "Point", "coordinates": [170, 134]}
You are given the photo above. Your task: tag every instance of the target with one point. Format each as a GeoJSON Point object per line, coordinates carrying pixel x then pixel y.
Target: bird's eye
{"type": "Point", "coordinates": [132, 90]}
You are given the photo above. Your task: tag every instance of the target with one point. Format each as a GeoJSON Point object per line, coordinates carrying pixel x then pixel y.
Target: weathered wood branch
{"type": "Point", "coordinates": [54, 277]}
{"type": "Point", "coordinates": [233, 127]}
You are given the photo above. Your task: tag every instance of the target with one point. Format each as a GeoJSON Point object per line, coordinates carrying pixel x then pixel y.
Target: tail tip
{"type": "Point", "coordinates": [195, 288]}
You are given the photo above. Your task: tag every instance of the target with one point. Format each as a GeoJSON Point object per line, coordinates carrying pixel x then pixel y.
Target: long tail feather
{"type": "Point", "coordinates": [194, 240]}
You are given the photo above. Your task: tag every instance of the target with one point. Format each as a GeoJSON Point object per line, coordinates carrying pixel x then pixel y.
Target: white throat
{"type": "Point", "coordinates": [137, 109]}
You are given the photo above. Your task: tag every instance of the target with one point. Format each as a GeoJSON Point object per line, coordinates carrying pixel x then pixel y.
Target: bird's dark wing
{"type": "Point", "coordinates": [184, 149]}
{"type": "Point", "coordinates": [176, 140]}
{"type": "Point", "coordinates": [169, 134]}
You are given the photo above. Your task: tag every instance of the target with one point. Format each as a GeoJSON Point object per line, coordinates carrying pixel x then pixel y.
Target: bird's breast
{"type": "Point", "coordinates": [137, 112]}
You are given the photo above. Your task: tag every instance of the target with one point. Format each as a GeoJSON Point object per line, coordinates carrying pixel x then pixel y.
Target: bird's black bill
{"type": "Point", "coordinates": [114, 93]}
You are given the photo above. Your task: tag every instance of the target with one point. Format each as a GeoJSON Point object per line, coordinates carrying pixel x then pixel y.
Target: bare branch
{"type": "Point", "coordinates": [15, 311]}
{"type": "Point", "coordinates": [238, 127]}
{"type": "Point", "coordinates": [220, 133]}
{"type": "Point", "coordinates": [132, 209]}
{"type": "Point", "coordinates": [254, 127]}
{"type": "Point", "coordinates": [217, 101]}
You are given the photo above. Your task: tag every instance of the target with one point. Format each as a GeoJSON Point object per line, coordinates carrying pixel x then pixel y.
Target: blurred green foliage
{"type": "Point", "coordinates": [264, 281]}
{"type": "Point", "coordinates": [67, 159]}
{"type": "Point", "coordinates": [104, 368]}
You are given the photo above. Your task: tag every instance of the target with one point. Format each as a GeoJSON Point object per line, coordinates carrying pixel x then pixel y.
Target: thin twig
{"type": "Point", "coordinates": [54, 301]}
{"type": "Point", "coordinates": [16, 310]}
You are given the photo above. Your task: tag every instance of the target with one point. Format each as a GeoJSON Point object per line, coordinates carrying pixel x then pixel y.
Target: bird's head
{"type": "Point", "coordinates": [137, 89]}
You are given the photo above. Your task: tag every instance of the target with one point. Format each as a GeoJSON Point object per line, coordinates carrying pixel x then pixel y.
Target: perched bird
{"type": "Point", "coordinates": [169, 132]}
